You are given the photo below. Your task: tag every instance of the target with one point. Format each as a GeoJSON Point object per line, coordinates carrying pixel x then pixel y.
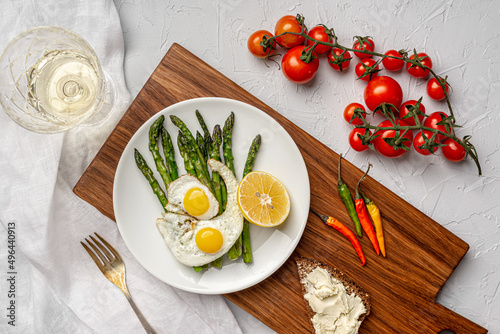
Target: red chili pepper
{"type": "Point", "coordinates": [364, 217]}
{"type": "Point", "coordinates": [332, 222]}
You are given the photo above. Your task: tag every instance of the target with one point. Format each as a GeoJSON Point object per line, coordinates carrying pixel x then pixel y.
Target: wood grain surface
{"type": "Point", "coordinates": [421, 254]}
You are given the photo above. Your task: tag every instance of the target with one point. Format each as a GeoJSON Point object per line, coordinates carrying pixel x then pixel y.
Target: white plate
{"type": "Point", "coordinates": [137, 208]}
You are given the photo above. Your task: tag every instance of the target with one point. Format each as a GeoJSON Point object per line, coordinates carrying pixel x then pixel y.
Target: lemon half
{"type": "Point", "coordinates": [263, 199]}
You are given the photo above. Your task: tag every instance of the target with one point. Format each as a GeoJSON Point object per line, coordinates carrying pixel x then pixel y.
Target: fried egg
{"type": "Point", "coordinates": [188, 195]}
{"type": "Point", "coordinates": [195, 242]}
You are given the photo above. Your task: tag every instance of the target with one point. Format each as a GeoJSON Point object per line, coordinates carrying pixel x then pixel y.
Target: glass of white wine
{"type": "Point", "coordinates": [51, 80]}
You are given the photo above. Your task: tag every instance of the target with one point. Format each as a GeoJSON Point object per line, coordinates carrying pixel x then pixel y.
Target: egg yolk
{"type": "Point", "coordinates": [196, 202]}
{"type": "Point", "coordinates": [209, 240]}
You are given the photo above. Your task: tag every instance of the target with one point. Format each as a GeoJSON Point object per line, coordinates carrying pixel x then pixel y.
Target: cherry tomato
{"type": "Point", "coordinates": [419, 140]}
{"type": "Point", "coordinates": [383, 89]}
{"type": "Point", "coordinates": [416, 71]}
{"type": "Point", "coordinates": [318, 33]}
{"type": "Point", "coordinates": [383, 147]}
{"type": "Point", "coordinates": [343, 59]}
{"type": "Point", "coordinates": [355, 141]}
{"type": "Point", "coordinates": [393, 64]}
{"type": "Point", "coordinates": [435, 91]}
{"type": "Point", "coordinates": [453, 151]}
{"type": "Point", "coordinates": [254, 44]}
{"type": "Point", "coordinates": [349, 113]}
{"type": "Point", "coordinates": [367, 45]}
{"type": "Point", "coordinates": [433, 119]}
{"type": "Point", "coordinates": [360, 70]}
{"type": "Point", "coordinates": [403, 111]}
{"type": "Point", "coordinates": [289, 23]}
{"type": "Point", "coordinates": [295, 69]}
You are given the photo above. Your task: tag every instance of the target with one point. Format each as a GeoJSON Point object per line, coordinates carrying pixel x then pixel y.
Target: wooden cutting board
{"type": "Point", "coordinates": [421, 254]}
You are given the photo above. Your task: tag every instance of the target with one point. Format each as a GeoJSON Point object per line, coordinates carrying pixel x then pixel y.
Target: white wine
{"type": "Point", "coordinates": [64, 85]}
{"type": "Point", "coordinates": [51, 81]}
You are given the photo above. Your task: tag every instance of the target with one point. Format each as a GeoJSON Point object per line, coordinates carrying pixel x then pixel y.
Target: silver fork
{"type": "Point", "coordinates": [111, 265]}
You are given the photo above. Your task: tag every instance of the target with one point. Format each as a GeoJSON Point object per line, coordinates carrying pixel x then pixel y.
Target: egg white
{"type": "Point", "coordinates": [179, 230]}
{"type": "Point", "coordinates": [177, 191]}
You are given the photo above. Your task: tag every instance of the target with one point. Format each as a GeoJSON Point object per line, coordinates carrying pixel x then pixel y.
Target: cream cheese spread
{"type": "Point", "coordinates": [337, 312]}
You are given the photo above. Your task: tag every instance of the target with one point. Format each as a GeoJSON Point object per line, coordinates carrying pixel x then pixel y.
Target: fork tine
{"type": "Point", "coordinates": [115, 253]}
{"type": "Point", "coordinates": [102, 248]}
{"type": "Point", "coordinates": [97, 251]}
{"type": "Point", "coordinates": [92, 255]}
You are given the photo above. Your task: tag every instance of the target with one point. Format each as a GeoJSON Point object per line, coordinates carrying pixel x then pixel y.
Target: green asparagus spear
{"type": "Point", "coordinates": [169, 152]}
{"type": "Point", "coordinates": [217, 263]}
{"type": "Point", "coordinates": [154, 135]}
{"type": "Point", "coordinates": [227, 142]}
{"type": "Point", "coordinates": [246, 245]}
{"type": "Point", "coordinates": [206, 132]}
{"type": "Point", "coordinates": [217, 137]}
{"type": "Point", "coordinates": [237, 248]}
{"type": "Point", "coordinates": [193, 145]}
{"type": "Point", "coordinates": [200, 141]}
{"type": "Point", "coordinates": [223, 194]}
{"type": "Point", "coordinates": [148, 174]}
{"type": "Point", "coordinates": [189, 136]}
{"type": "Point", "coordinates": [200, 268]}
{"type": "Point", "coordinates": [197, 164]}
{"type": "Point", "coordinates": [252, 152]}
{"type": "Point", "coordinates": [185, 153]}
{"type": "Point", "coordinates": [245, 235]}
{"type": "Point", "coordinates": [217, 182]}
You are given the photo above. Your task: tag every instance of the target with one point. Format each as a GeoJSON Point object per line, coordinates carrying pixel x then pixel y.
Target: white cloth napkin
{"type": "Point", "coordinates": [57, 287]}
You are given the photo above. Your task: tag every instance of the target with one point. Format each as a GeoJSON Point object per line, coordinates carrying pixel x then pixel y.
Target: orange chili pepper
{"type": "Point", "coordinates": [364, 217]}
{"type": "Point", "coordinates": [374, 212]}
{"type": "Point", "coordinates": [332, 222]}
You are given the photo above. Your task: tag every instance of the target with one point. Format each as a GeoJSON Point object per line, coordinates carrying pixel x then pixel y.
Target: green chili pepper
{"type": "Point", "coordinates": [346, 196]}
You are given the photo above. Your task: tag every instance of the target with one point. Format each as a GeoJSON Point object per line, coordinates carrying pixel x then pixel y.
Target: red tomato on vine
{"type": "Point", "coordinates": [319, 33]}
{"type": "Point", "coordinates": [393, 64]}
{"type": "Point", "coordinates": [256, 48]}
{"type": "Point", "coordinates": [434, 89]}
{"type": "Point", "coordinates": [453, 151]}
{"type": "Point", "coordinates": [355, 140]}
{"type": "Point", "coordinates": [295, 69]}
{"type": "Point", "coordinates": [403, 111]}
{"type": "Point", "coordinates": [391, 135]}
{"type": "Point", "coordinates": [416, 71]}
{"type": "Point", "coordinates": [432, 122]}
{"type": "Point", "coordinates": [419, 140]}
{"type": "Point", "coordinates": [366, 69]}
{"type": "Point", "coordinates": [383, 89]}
{"type": "Point", "coordinates": [349, 113]}
{"type": "Point", "coordinates": [365, 44]}
{"type": "Point", "coordinates": [339, 59]}
{"type": "Point", "coordinates": [289, 23]}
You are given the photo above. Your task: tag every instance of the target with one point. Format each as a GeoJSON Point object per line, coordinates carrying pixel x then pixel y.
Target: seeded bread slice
{"type": "Point", "coordinates": [305, 266]}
